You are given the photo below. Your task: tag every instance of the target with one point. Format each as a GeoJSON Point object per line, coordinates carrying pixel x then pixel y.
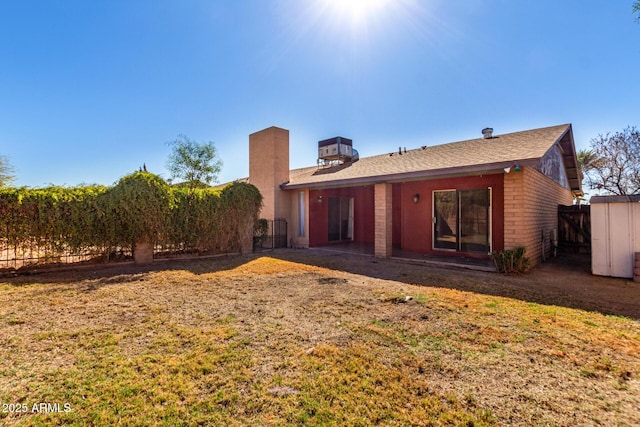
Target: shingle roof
{"type": "Point", "coordinates": [464, 157]}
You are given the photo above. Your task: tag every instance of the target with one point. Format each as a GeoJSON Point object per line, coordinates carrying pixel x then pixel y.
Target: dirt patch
{"type": "Point", "coordinates": [332, 281]}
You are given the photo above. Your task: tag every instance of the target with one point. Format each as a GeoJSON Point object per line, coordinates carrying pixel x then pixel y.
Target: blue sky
{"type": "Point", "coordinates": [91, 90]}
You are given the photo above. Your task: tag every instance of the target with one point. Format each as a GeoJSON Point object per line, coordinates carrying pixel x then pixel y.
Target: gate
{"type": "Point", "coordinates": [270, 234]}
{"type": "Point", "coordinates": [574, 228]}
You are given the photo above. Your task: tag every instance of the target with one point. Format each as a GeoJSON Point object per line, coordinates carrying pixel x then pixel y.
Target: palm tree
{"type": "Point", "coordinates": [587, 160]}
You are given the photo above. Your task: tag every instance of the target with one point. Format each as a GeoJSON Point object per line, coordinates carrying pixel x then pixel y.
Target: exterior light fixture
{"type": "Point", "coordinates": [416, 198]}
{"type": "Point", "coordinates": [319, 199]}
{"type": "Point", "coordinates": [515, 168]}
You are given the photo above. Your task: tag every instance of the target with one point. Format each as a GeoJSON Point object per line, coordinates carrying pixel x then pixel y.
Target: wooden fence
{"type": "Point", "coordinates": [574, 228]}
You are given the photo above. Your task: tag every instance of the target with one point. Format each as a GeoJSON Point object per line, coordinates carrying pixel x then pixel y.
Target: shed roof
{"type": "Point", "coordinates": [474, 156]}
{"type": "Point", "coordinates": [630, 198]}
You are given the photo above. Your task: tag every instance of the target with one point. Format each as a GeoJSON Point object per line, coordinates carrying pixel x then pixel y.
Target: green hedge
{"type": "Point", "coordinates": [52, 218]}
{"type": "Point", "coordinates": [141, 206]}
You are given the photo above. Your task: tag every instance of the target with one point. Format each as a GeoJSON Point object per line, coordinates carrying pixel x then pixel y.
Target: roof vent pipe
{"type": "Point", "coordinates": [487, 133]}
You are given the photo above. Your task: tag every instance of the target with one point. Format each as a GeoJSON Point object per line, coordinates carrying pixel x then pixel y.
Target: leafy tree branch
{"type": "Point", "coordinates": [197, 164]}
{"type": "Point", "coordinates": [6, 172]}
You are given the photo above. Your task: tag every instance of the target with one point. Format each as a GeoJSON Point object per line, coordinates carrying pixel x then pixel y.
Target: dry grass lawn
{"type": "Point", "coordinates": [290, 339]}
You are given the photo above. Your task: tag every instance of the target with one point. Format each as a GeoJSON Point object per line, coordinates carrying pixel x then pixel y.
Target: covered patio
{"type": "Point", "coordinates": [367, 249]}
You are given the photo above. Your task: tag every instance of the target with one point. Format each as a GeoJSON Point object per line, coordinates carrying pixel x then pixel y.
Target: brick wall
{"type": "Point", "coordinates": [531, 202]}
{"type": "Point", "coordinates": [383, 220]}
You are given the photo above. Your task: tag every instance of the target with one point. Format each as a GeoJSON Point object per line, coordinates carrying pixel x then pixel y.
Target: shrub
{"type": "Point", "coordinates": [240, 203]}
{"type": "Point", "coordinates": [511, 260]}
{"type": "Point", "coordinates": [260, 232]}
{"type": "Point", "coordinates": [195, 220]}
{"type": "Point", "coordinates": [138, 206]}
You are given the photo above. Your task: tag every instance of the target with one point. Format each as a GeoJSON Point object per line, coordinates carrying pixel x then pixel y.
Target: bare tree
{"type": "Point", "coordinates": [613, 163]}
{"type": "Point", "coordinates": [6, 172]}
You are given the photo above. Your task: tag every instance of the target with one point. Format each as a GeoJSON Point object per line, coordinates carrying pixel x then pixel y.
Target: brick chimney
{"type": "Point", "coordinates": [269, 168]}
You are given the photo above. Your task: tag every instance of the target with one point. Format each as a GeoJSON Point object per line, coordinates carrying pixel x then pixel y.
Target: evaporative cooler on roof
{"type": "Point", "coordinates": [335, 151]}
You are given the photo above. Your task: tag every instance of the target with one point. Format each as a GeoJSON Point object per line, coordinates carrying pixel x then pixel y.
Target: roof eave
{"type": "Point", "coordinates": [485, 169]}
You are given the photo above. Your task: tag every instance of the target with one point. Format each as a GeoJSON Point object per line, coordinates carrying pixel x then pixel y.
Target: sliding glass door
{"type": "Point", "coordinates": [462, 220]}
{"type": "Point", "coordinates": [340, 219]}
{"type": "Point", "coordinates": [445, 221]}
{"type": "Point", "coordinates": [474, 220]}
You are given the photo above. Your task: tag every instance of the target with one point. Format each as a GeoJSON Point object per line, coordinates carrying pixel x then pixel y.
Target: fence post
{"type": "Point", "coordinates": [246, 227]}
{"type": "Point", "coordinates": [143, 252]}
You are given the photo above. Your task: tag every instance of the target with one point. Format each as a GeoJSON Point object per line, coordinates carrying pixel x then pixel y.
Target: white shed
{"type": "Point", "coordinates": [615, 235]}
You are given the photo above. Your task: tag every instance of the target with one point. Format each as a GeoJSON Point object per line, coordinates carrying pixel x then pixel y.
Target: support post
{"type": "Point", "coordinates": [383, 221]}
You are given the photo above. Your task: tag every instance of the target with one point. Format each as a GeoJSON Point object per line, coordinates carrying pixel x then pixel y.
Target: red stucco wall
{"type": "Point", "coordinates": [397, 216]}
{"type": "Point", "coordinates": [363, 214]}
{"type": "Point", "coordinates": [417, 230]}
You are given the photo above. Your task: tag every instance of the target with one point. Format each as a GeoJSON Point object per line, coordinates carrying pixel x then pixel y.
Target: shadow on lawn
{"type": "Point", "coordinates": [98, 275]}
{"type": "Point", "coordinates": [565, 281]}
